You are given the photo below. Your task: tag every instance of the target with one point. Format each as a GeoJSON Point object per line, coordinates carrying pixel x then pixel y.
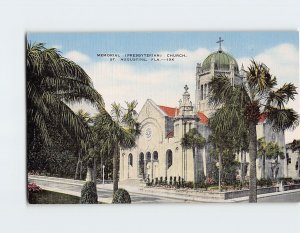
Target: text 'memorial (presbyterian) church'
{"type": "Point", "coordinates": [159, 152]}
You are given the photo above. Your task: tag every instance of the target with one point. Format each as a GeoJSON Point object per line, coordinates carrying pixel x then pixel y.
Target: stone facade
{"type": "Point", "coordinates": [293, 163]}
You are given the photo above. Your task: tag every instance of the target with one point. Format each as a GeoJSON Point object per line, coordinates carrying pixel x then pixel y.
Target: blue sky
{"type": "Point", "coordinates": [238, 43]}
{"type": "Point", "coordinates": [163, 82]}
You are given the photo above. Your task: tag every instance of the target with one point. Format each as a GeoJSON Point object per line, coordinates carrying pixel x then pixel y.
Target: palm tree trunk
{"type": "Point", "coordinates": [115, 169]}
{"type": "Point", "coordinates": [89, 174]}
{"type": "Point", "coordinates": [264, 167]}
{"type": "Point", "coordinates": [252, 155]}
{"type": "Point", "coordinates": [195, 172]}
{"type": "Point", "coordinates": [242, 166]}
{"type": "Point", "coordinates": [80, 173]}
{"type": "Point", "coordinates": [95, 171]}
{"type": "Point", "coordinates": [220, 169]}
{"type": "Point", "coordinates": [77, 166]}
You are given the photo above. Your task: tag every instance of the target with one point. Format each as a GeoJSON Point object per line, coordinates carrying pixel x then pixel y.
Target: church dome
{"type": "Point", "coordinates": [222, 61]}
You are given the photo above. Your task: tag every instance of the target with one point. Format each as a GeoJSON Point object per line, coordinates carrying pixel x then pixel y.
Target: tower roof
{"type": "Point", "coordinates": [222, 61]}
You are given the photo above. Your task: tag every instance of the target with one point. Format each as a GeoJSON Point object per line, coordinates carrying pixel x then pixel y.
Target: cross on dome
{"type": "Point", "coordinates": [219, 42]}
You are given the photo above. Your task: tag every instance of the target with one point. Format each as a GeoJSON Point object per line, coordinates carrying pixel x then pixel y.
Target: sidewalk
{"type": "Point", "coordinates": [142, 192]}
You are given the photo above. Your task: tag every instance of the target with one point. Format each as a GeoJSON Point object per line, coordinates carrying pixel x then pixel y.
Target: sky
{"type": "Point", "coordinates": [163, 81]}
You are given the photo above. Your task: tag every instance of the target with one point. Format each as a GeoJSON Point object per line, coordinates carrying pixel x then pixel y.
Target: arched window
{"type": "Point", "coordinates": [130, 159]}
{"type": "Point", "coordinates": [155, 155]}
{"type": "Point", "coordinates": [141, 164]}
{"type": "Point", "coordinates": [297, 165]}
{"type": "Point", "coordinates": [169, 158]}
{"type": "Point", "coordinates": [201, 92]}
{"type": "Point", "coordinates": [148, 156]}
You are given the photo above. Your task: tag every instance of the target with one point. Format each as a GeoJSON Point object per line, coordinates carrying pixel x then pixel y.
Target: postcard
{"type": "Point", "coordinates": [162, 117]}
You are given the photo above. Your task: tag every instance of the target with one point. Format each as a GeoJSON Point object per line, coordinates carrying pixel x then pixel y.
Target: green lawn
{"type": "Point", "coordinates": [48, 197]}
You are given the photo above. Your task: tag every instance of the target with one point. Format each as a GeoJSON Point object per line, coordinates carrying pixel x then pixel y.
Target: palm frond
{"type": "Point", "coordinates": [282, 119]}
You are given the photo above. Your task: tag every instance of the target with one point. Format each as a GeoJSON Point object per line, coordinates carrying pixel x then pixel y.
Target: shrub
{"type": "Point", "coordinates": [189, 184]}
{"type": "Point", "coordinates": [33, 188]}
{"type": "Point", "coordinates": [264, 182]}
{"type": "Point", "coordinates": [121, 196]}
{"type": "Point", "coordinates": [89, 193]}
{"type": "Point", "coordinates": [161, 180]}
{"type": "Point", "coordinates": [285, 180]}
{"type": "Point", "coordinates": [171, 180]}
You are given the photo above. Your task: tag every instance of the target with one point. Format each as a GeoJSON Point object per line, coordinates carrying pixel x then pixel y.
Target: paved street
{"type": "Point", "coordinates": [287, 197]}
{"type": "Point", "coordinates": [73, 187]}
{"type": "Point", "coordinates": [103, 193]}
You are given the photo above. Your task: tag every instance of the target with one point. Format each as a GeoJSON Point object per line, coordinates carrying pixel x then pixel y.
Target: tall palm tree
{"type": "Point", "coordinates": [257, 95]}
{"type": "Point", "coordinates": [262, 152]}
{"type": "Point", "coordinates": [53, 82]}
{"type": "Point", "coordinates": [195, 141]}
{"type": "Point", "coordinates": [120, 129]}
{"type": "Point", "coordinates": [274, 152]}
{"type": "Point", "coordinates": [82, 144]}
{"type": "Point", "coordinates": [223, 140]}
{"type": "Point", "coordinates": [268, 150]}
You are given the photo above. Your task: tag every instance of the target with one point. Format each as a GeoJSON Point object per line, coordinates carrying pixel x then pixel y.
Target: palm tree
{"type": "Point", "coordinates": [82, 144]}
{"type": "Point", "coordinates": [268, 150]}
{"type": "Point", "coordinates": [120, 130]}
{"type": "Point", "coordinates": [262, 152]}
{"type": "Point", "coordinates": [257, 95]}
{"type": "Point", "coordinates": [195, 141]}
{"type": "Point", "coordinates": [223, 140]}
{"type": "Point", "coordinates": [52, 83]}
{"type": "Point", "coordinates": [274, 153]}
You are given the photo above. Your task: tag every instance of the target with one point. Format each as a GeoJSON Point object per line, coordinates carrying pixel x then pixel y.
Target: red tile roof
{"type": "Point", "coordinates": [203, 119]}
{"type": "Point", "coordinates": [171, 112]}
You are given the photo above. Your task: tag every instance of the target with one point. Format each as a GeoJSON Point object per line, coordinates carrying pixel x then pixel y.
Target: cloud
{"type": "Point", "coordinates": [163, 82]}
{"type": "Point", "coordinates": [124, 82]}
{"type": "Point", "coordinates": [282, 60]}
{"type": "Point", "coordinates": [77, 56]}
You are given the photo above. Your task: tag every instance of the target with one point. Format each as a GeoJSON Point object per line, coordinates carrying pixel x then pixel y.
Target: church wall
{"type": "Point", "coordinates": [293, 169]}
{"type": "Point", "coordinates": [265, 130]}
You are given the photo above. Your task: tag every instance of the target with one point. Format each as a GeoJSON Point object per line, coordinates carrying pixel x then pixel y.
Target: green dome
{"type": "Point", "coordinates": [222, 61]}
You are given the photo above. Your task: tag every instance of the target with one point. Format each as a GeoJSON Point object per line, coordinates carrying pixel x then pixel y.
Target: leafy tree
{"type": "Point", "coordinates": [118, 130]}
{"type": "Point", "coordinates": [52, 83]}
{"type": "Point", "coordinates": [195, 141]}
{"type": "Point", "coordinates": [81, 147]}
{"type": "Point", "coordinates": [268, 150]}
{"type": "Point", "coordinates": [224, 144]}
{"type": "Point", "coordinates": [257, 95]}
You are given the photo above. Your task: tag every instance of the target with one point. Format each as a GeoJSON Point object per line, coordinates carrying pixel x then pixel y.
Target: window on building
{"type": "Point", "coordinates": [190, 126]}
{"type": "Point", "coordinates": [155, 155]}
{"type": "Point", "coordinates": [148, 156]}
{"type": "Point", "coordinates": [201, 92]}
{"type": "Point", "coordinates": [205, 91]}
{"type": "Point", "coordinates": [130, 159]}
{"type": "Point", "coordinates": [297, 165]}
{"type": "Point", "coordinates": [169, 158]}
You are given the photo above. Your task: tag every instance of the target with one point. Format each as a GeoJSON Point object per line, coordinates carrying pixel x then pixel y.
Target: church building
{"type": "Point", "coordinates": [159, 152]}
